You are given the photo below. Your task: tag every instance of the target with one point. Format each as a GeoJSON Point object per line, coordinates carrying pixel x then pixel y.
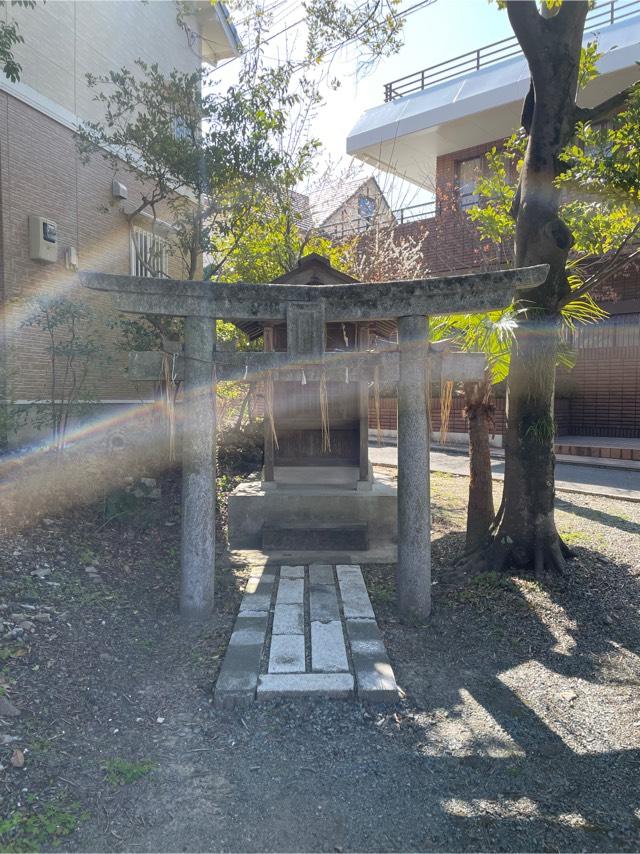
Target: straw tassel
{"type": "Point", "coordinates": [324, 414]}
{"type": "Point", "coordinates": [446, 400]}
{"type": "Point", "coordinates": [268, 402]}
{"type": "Point", "coordinates": [376, 404]}
{"type": "Point", "coordinates": [427, 380]}
{"type": "Point", "coordinates": [168, 376]}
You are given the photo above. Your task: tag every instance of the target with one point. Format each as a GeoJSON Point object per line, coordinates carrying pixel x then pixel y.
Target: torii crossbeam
{"type": "Point", "coordinates": [305, 309]}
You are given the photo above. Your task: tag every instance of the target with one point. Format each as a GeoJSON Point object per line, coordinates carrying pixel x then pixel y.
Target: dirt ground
{"type": "Point", "coordinates": [519, 728]}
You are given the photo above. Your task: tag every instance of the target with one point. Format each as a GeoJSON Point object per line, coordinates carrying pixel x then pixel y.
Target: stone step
{"type": "Point", "coordinates": [326, 537]}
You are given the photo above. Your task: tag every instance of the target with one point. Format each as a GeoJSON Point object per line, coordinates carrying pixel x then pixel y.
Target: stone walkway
{"type": "Point", "coordinates": [305, 632]}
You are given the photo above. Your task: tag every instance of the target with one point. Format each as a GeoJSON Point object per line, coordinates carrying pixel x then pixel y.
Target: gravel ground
{"type": "Point", "coordinates": [519, 728]}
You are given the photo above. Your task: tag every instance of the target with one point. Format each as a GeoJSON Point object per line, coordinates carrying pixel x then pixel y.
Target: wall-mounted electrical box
{"type": "Point", "coordinates": [71, 258]}
{"type": "Point", "coordinates": [119, 190]}
{"type": "Point", "coordinates": [43, 239]}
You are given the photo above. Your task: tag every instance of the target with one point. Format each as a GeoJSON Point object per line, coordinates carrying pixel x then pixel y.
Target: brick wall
{"type": "Point", "coordinates": [42, 174]}
{"type": "Point", "coordinates": [601, 395]}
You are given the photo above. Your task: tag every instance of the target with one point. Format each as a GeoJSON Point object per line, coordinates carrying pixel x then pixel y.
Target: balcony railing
{"type": "Point", "coordinates": [413, 213]}
{"type": "Point", "coordinates": [346, 229]}
{"type": "Point", "coordinates": [602, 15]}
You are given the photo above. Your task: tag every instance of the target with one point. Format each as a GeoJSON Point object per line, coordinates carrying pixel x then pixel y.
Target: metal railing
{"type": "Point", "coordinates": [413, 213]}
{"type": "Point", "coordinates": [602, 15]}
{"type": "Point", "coordinates": [346, 229]}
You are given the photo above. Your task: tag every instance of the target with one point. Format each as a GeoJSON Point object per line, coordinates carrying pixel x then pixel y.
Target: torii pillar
{"type": "Point", "coordinates": [198, 469]}
{"type": "Point", "coordinates": [413, 579]}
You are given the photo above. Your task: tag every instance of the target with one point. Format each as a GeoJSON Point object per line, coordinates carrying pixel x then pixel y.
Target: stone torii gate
{"type": "Point", "coordinates": [305, 309]}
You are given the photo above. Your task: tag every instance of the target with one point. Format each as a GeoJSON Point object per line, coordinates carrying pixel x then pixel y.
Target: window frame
{"type": "Point", "coordinates": [470, 199]}
{"type": "Point", "coordinates": [140, 265]}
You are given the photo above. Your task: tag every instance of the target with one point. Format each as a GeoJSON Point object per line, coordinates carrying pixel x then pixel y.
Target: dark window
{"type": "Point", "coordinates": [468, 172]}
{"type": "Point", "coordinates": [366, 207]}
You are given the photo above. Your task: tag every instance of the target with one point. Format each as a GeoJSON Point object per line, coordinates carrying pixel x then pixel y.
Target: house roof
{"type": "Point", "coordinates": [326, 201]}
{"type": "Point", "coordinates": [316, 208]}
{"type": "Point", "coordinates": [302, 208]}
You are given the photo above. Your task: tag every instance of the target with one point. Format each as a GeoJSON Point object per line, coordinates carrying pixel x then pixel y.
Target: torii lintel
{"type": "Point", "coordinates": [363, 301]}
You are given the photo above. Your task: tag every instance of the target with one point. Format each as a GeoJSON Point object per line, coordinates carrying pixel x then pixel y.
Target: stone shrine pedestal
{"type": "Point", "coordinates": [327, 516]}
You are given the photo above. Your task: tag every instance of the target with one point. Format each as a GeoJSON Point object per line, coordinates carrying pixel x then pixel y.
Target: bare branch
{"type": "Point", "coordinates": [606, 108]}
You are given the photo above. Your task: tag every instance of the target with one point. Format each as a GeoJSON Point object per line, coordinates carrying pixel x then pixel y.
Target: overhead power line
{"type": "Point", "coordinates": [403, 13]}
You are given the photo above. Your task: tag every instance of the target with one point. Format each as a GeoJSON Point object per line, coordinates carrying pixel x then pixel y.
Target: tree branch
{"type": "Point", "coordinates": [527, 108]}
{"type": "Point", "coordinates": [608, 106]}
{"type": "Point", "coordinates": [526, 23]}
{"type": "Point", "coordinates": [610, 266]}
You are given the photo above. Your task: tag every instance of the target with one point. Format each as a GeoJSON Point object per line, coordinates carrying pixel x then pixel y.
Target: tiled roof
{"type": "Point", "coordinates": [329, 199]}
{"type": "Point", "coordinates": [316, 208]}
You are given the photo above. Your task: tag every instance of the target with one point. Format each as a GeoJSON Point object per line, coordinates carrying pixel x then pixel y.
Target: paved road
{"type": "Point", "coordinates": [593, 480]}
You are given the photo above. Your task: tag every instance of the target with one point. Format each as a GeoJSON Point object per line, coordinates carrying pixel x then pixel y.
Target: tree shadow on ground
{"type": "Point", "coordinates": [598, 516]}
{"type": "Point", "coordinates": [533, 684]}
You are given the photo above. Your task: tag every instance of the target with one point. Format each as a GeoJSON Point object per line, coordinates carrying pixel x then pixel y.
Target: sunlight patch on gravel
{"type": "Point", "coordinates": [551, 614]}
{"type": "Point", "coordinates": [511, 808]}
{"type": "Point", "coordinates": [469, 730]}
{"type": "Point", "coordinates": [590, 717]}
{"type": "Point", "coordinates": [505, 808]}
{"type": "Point", "coordinates": [620, 665]}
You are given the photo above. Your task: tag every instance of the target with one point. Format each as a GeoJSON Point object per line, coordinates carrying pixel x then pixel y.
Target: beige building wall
{"type": "Point", "coordinates": [66, 39]}
{"type": "Point", "coordinates": [42, 174]}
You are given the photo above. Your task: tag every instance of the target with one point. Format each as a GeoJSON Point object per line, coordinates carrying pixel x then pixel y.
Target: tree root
{"type": "Point", "coordinates": [549, 555]}
{"type": "Point", "coordinates": [567, 553]}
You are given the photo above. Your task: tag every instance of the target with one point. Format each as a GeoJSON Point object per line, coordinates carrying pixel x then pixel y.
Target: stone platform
{"type": "Point", "coordinates": [305, 632]}
{"type": "Point", "coordinates": [254, 508]}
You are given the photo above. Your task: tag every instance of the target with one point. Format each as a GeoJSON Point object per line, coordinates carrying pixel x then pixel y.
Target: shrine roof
{"type": "Point", "coordinates": [314, 269]}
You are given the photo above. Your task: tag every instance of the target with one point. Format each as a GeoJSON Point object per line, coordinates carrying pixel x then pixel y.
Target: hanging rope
{"type": "Point", "coordinates": [427, 397]}
{"type": "Point", "coordinates": [169, 388]}
{"type": "Point", "coordinates": [268, 405]}
{"type": "Point", "coordinates": [446, 401]}
{"type": "Point", "coordinates": [345, 337]}
{"type": "Point", "coordinates": [324, 414]}
{"type": "Point", "coordinates": [376, 403]}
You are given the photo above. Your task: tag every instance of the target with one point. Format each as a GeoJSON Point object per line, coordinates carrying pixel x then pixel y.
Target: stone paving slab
{"type": "Point", "coordinates": [355, 599]}
{"type": "Point", "coordinates": [274, 652]}
{"type": "Point", "coordinates": [292, 572]}
{"type": "Point", "coordinates": [256, 602]}
{"type": "Point", "coordinates": [238, 678]}
{"type": "Point", "coordinates": [338, 685]}
{"type": "Point", "coordinates": [323, 602]}
{"type": "Point", "coordinates": [374, 675]}
{"type": "Point", "coordinates": [290, 591]}
{"type": "Point", "coordinates": [258, 594]}
{"type": "Point", "coordinates": [321, 573]}
{"type": "Point", "coordinates": [288, 620]}
{"type": "Point", "coordinates": [328, 652]}
{"type": "Point", "coordinates": [287, 654]}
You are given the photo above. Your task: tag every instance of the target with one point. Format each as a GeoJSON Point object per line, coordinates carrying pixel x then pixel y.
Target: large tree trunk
{"type": "Point", "coordinates": [526, 532]}
{"type": "Point", "coordinates": [480, 511]}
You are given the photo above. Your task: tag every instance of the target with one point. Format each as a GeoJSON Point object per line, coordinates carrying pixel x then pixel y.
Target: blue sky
{"type": "Point", "coordinates": [433, 34]}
